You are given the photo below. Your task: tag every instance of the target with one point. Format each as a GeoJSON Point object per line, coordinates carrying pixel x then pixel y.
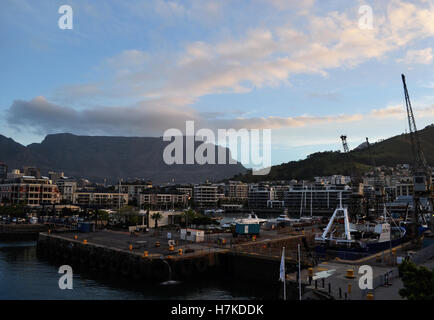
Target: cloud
{"type": "Point", "coordinates": [267, 57]}
{"type": "Point", "coordinates": [423, 56]}
{"type": "Point", "coordinates": [143, 119]}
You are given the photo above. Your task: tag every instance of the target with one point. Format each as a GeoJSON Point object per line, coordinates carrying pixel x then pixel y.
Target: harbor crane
{"type": "Point", "coordinates": [422, 184]}
{"type": "Point", "coordinates": [344, 143]}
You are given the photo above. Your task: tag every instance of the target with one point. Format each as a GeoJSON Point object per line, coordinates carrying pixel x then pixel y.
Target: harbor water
{"type": "Point", "coordinates": [24, 276]}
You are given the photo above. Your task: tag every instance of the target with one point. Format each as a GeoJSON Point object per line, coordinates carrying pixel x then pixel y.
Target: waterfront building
{"type": "Point", "coordinates": [68, 189]}
{"type": "Point", "coordinates": [162, 199]}
{"type": "Point", "coordinates": [316, 199]}
{"type": "Point", "coordinates": [30, 191]}
{"type": "Point", "coordinates": [100, 198]}
{"type": "Point", "coordinates": [134, 189]}
{"type": "Point", "coordinates": [205, 196]}
{"type": "Point", "coordinates": [259, 195]}
{"type": "Point", "coordinates": [236, 190]}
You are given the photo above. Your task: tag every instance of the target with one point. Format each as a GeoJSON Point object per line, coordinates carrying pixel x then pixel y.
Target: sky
{"type": "Point", "coordinates": [307, 70]}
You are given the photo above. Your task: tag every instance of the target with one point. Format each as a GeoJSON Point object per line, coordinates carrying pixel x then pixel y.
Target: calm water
{"type": "Point", "coordinates": [24, 276]}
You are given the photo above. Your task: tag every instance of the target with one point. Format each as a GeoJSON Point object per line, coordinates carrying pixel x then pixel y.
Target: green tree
{"type": "Point", "coordinates": [156, 217]}
{"type": "Point", "coordinates": [188, 216]}
{"type": "Point", "coordinates": [418, 282]}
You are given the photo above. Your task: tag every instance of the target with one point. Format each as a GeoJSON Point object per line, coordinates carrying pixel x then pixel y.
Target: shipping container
{"type": "Point", "coordinates": [248, 228]}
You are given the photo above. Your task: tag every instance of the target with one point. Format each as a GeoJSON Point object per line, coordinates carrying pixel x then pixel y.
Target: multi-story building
{"type": "Point", "coordinates": [161, 199]}
{"type": "Point", "coordinates": [185, 190]}
{"type": "Point", "coordinates": [236, 190]}
{"type": "Point", "coordinates": [260, 195]}
{"type": "Point", "coordinates": [15, 173]}
{"type": "Point", "coordinates": [32, 172]}
{"type": "Point", "coordinates": [205, 196]}
{"type": "Point", "coordinates": [67, 189]}
{"type": "Point", "coordinates": [55, 176]}
{"type": "Point", "coordinates": [100, 198]}
{"type": "Point", "coordinates": [316, 199]}
{"type": "Point", "coordinates": [404, 189]}
{"type": "Point", "coordinates": [30, 191]}
{"type": "Point", "coordinates": [134, 189]}
{"type": "Point", "coordinates": [280, 191]}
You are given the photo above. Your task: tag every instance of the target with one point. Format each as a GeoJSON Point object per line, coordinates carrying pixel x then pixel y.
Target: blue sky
{"type": "Point", "coordinates": [304, 69]}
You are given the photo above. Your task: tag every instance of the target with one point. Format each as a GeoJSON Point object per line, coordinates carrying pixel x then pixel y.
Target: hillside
{"type": "Point", "coordinates": [395, 150]}
{"type": "Point", "coordinates": [108, 157]}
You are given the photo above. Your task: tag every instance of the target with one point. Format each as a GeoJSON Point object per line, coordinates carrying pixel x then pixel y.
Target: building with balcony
{"type": "Point", "coordinates": [30, 191]}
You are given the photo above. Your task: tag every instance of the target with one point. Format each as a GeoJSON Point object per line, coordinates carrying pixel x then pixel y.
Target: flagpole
{"type": "Point", "coordinates": [299, 272]}
{"type": "Point", "coordinates": [284, 275]}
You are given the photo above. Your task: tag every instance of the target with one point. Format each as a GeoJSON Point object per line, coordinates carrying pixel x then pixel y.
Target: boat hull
{"type": "Point", "coordinates": [354, 253]}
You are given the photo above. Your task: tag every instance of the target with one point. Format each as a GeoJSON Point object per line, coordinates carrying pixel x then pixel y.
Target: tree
{"type": "Point", "coordinates": [189, 215]}
{"type": "Point", "coordinates": [156, 217]}
{"type": "Point", "coordinates": [418, 282]}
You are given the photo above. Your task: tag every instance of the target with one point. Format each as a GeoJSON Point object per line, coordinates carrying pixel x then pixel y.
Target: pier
{"type": "Point", "coordinates": [149, 256]}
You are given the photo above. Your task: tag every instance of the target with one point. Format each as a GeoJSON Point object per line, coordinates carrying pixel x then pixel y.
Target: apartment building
{"type": "Point", "coordinates": [260, 195]}
{"type": "Point", "coordinates": [206, 196]}
{"type": "Point", "coordinates": [67, 189]}
{"type": "Point", "coordinates": [161, 199]}
{"type": "Point", "coordinates": [316, 199]}
{"type": "Point", "coordinates": [30, 191]}
{"type": "Point", "coordinates": [101, 198]}
{"type": "Point", "coordinates": [236, 190]}
{"type": "Point", "coordinates": [134, 189]}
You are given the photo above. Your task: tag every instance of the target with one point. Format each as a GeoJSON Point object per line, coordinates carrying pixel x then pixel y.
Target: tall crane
{"type": "Point", "coordinates": [356, 201]}
{"type": "Point", "coordinates": [344, 143]}
{"type": "Point", "coordinates": [420, 170]}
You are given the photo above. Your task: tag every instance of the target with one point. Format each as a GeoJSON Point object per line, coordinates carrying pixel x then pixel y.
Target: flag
{"type": "Point", "coordinates": [282, 266]}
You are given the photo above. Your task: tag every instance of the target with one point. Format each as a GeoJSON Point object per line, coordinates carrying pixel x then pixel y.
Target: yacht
{"type": "Point", "coordinates": [251, 218]}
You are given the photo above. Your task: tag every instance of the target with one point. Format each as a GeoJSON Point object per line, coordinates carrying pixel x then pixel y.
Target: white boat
{"type": "Point", "coordinates": [251, 218]}
{"type": "Point", "coordinates": [283, 218]}
{"type": "Point", "coordinates": [213, 211]}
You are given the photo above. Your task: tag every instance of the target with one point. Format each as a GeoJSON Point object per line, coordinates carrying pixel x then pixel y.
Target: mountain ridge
{"type": "Point", "coordinates": [389, 152]}
{"type": "Point", "coordinates": [111, 157]}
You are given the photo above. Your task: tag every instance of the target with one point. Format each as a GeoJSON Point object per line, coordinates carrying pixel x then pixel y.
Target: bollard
{"type": "Point", "coordinates": [84, 241]}
{"type": "Point", "coordinates": [310, 272]}
{"type": "Point", "coordinates": [130, 247]}
{"type": "Point", "coordinates": [350, 274]}
{"type": "Point", "coordinates": [180, 252]}
{"type": "Point", "coordinates": [369, 296]}
{"type": "Point", "coordinates": [145, 254]}
{"type": "Point", "coordinates": [75, 237]}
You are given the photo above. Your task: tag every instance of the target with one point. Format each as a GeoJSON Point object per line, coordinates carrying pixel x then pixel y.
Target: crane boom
{"type": "Point", "coordinates": [419, 161]}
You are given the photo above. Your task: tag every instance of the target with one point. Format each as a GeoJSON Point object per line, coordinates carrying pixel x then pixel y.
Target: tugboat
{"type": "Point", "coordinates": [352, 241]}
